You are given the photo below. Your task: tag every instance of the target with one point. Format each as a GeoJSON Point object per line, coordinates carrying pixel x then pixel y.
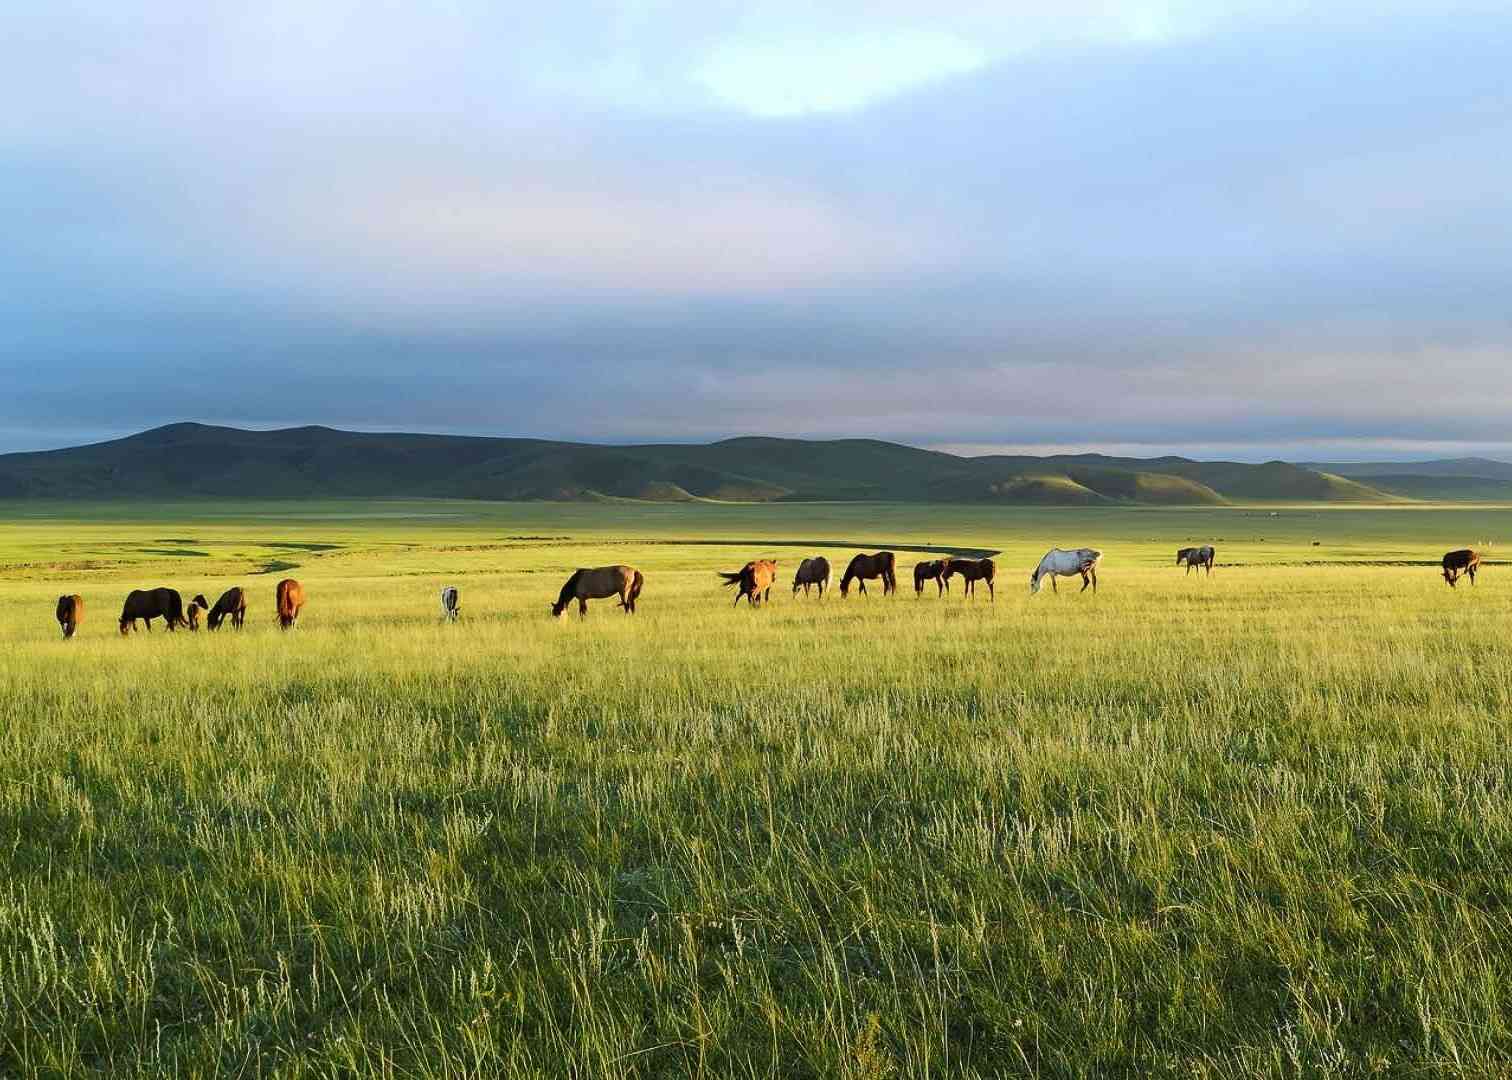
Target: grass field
{"type": "Point", "coordinates": [1257, 824]}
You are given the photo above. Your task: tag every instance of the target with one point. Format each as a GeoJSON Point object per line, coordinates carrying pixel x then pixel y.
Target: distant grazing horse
{"type": "Point", "coordinates": [149, 604]}
{"type": "Point", "coordinates": [864, 567]}
{"type": "Point", "coordinates": [450, 603]}
{"type": "Point", "coordinates": [288, 598]}
{"type": "Point", "coordinates": [755, 580]}
{"type": "Point", "coordinates": [973, 570]}
{"type": "Point", "coordinates": [1196, 558]}
{"type": "Point", "coordinates": [815, 571]}
{"type": "Point", "coordinates": [934, 571]}
{"type": "Point", "coordinates": [70, 614]}
{"type": "Point", "coordinates": [197, 605]}
{"type": "Point", "coordinates": [585, 585]}
{"type": "Point", "coordinates": [232, 602]}
{"type": "Point", "coordinates": [1059, 563]}
{"type": "Point", "coordinates": [1463, 561]}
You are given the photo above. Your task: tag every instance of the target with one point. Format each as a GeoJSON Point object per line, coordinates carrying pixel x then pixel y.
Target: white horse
{"type": "Point", "coordinates": [1058, 563]}
{"type": "Point", "coordinates": [450, 607]}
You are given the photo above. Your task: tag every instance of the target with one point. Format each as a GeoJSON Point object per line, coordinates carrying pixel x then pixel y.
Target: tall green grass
{"type": "Point", "coordinates": [1257, 824]}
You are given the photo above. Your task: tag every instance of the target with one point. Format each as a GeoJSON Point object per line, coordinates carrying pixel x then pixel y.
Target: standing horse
{"type": "Point", "coordinates": [1463, 561]}
{"type": "Point", "coordinates": [862, 568]}
{"type": "Point", "coordinates": [149, 604]}
{"type": "Point", "coordinates": [451, 605]}
{"type": "Point", "coordinates": [232, 602]}
{"type": "Point", "coordinates": [70, 614]}
{"type": "Point", "coordinates": [755, 580]}
{"type": "Point", "coordinates": [973, 570]}
{"type": "Point", "coordinates": [1059, 563]}
{"type": "Point", "coordinates": [596, 584]}
{"type": "Point", "coordinates": [192, 612]}
{"type": "Point", "coordinates": [815, 571]}
{"type": "Point", "coordinates": [288, 598]}
{"type": "Point", "coordinates": [1197, 558]}
{"type": "Point", "coordinates": [934, 571]}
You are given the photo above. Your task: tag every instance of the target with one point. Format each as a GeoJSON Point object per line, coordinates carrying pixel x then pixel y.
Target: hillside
{"type": "Point", "coordinates": [187, 460]}
{"type": "Point", "coordinates": [1469, 479]}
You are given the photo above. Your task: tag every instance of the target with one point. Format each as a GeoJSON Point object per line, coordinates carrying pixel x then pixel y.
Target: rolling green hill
{"type": "Point", "coordinates": [187, 460]}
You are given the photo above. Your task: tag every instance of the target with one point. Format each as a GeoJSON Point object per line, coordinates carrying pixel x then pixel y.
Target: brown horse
{"type": "Point", "coordinates": [232, 602]}
{"type": "Point", "coordinates": [1463, 561]}
{"type": "Point", "coordinates": [973, 570]}
{"type": "Point", "coordinates": [288, 598]}
{"type": "Point", "coordinates": [863, 568]}
{"type": "Point", "coordinates": [755, 580]}
{"type": "Point", "coordinates": [815, 571]}
{"type": "Point", "coordinates": [192, 612]}
{"type": "Point", "coordinates": [149, 604]}
{"type": "Point", "coordinates": [596, 584]}
{"type": "Point", "coordinates": [70, 614]}
{"type": "Point", "coordinates": [934, 571]}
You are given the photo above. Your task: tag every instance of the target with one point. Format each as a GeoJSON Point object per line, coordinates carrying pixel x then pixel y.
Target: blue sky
{"type": "Point", "coordinates": [1220, 229]}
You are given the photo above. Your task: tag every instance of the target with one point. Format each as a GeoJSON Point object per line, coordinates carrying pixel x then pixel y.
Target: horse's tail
{"type": "Point", "coordinates": [731, 579]}
{"type": "Point", "coordinates": [636, 583]}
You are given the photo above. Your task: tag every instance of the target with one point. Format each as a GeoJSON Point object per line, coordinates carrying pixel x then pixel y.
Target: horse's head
{"type": "Point", "coordinates": [1034, 582]}
{"type": "Point", "coordinates": [126, 626]}
{"type": "Point", "coordinates": [558, 607]}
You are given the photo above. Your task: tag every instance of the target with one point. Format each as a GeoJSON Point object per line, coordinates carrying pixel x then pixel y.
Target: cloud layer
{"type": "Point", "coordinates": [1198, 227]}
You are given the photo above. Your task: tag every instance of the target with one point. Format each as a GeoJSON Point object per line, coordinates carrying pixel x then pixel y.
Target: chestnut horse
{"type": "Point", "coordinates": [973, 570]}
{"type": "Point", "coordinates": [755, 580]}
{"type": "Point", "coordinates": [815, 571]}
{"type": "Point", "coordinates": [288, 598]}
{"type": "Point", "coordinates": [585, 585]}
{"type": "Point", "coordinates": [232, 602]}
{"type": "Point", "coordinates": [70, 614]}
{"type": "Point", "coordinates": [192, 612]}
{"type": "Point", "coordinates": [1463, 561]}
{"type": "Point", "coordinates": [865, 567]}
{"type": "Point", "coordinates": [934, 571]}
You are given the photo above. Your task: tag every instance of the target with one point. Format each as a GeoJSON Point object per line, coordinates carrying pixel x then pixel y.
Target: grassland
{"type": "Point", "coordinates": [1257, 824]}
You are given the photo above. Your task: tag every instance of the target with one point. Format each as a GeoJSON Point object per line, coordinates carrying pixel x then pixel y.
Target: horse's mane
{"type": "Point", "coordinates": [566, 593]}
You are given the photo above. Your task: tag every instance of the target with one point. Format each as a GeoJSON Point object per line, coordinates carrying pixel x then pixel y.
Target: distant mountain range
{"type": "Point", "coordinates": [200, 460]}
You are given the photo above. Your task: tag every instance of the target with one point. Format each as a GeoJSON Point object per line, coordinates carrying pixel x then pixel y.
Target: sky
{"type": "Point", "coordinates": [1228, 229]}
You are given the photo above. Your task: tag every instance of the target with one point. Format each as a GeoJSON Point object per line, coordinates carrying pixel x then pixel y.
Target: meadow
{"type": "Point", "coordinates": [1257, 824]}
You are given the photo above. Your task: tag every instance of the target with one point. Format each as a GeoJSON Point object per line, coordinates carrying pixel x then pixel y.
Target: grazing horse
{"type": "Point", "coordinates": [815, 571]}
{"type": "Point", "coordinates": [1463, 561]}
{"type": "Point", "coordinates": [70, 614]}
{"type": "Point", "coordinates": [288, 598]}
{"type": "Point", "coordinates": [197, 605]}
{"type": "Point", "coordinates": [585, 585]}
{"type": "Point", "coordinates": [864, 567]}
{"type": "Point", "coordinates": [973, 570]}
{"type": "Point", "coordinates": [450, 603]}
{"type": "Point", "coordinates": [934, 571]}
{"type": "Point", "coordinates": [149, 604]}
{"type": "Point", "coordinates": [755, 580]}
{"type": "Point", "coordinates": [232, 602]}
{"type": "Point", "coordinates": [1059, 563]}
{"type": "Point", "coordinates": [1196, 558]}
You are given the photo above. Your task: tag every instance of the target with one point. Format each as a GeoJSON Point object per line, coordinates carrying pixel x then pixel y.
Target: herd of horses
{"type": "Point", "coordinates": [753, 583]}
{"type": "Point", "coordinates": [144, 605]}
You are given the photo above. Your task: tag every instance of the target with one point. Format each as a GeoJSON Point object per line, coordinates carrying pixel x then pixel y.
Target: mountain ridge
{"type": "Point", "coordinates": [192, 459]}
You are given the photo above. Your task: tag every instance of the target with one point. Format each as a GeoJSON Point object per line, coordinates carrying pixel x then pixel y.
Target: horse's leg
{"type": "Point", "coordinates": [1094, 579]}
{"type": "Point", "coordinates": [582, 607]}
{"type": "Point", "coordinates": [991, 592]}
{"type": "Point", "coordinates": [1472, 574]}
